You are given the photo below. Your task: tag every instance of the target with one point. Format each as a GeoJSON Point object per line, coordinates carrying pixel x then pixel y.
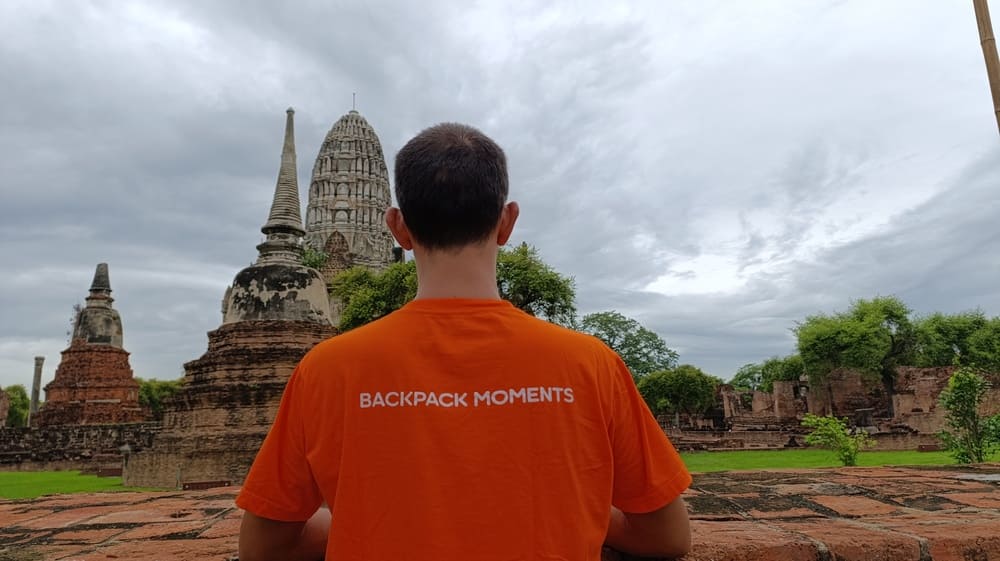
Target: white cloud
{"type": "Point", "coordinates": [716, 169]}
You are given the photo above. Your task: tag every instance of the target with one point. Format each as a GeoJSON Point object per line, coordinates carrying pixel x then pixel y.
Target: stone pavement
{"type": "Point", "coordinates": [884, 514]}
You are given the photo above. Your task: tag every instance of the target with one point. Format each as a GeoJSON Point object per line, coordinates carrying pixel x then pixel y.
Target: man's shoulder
{"type": "Point", "coordinates": [398, 326]}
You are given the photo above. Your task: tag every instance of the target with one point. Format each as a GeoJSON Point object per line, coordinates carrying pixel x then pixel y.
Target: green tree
{"type": "Point", "coordinates": [313, 258]}
{"type": "Point", "coordinates": [522, 278]}
{"type": "Point", "coordinates": [943, 340]}
{"type": "Point", "coordinates": [684, 389]}
{"type": "Point", "coordinates": [153, 392]}
{"type": "Point", "coordinates": [643, 351]}
{"type": "Point", "coordinates": [984, 347]}
{"type": "Point", "coordinates": [969, 437]}
{"type": "Point", "coordinates": [535, 287]}
{"type": "Point", "coordinates": [780, 369]}
{"type": "Point", "coordinates": [17, 415]}
{"type": "Point", "coordinates": [833, 433]}
{"type": "Point", "coordinates": [762, 376]}
{"type": "Point", "coordinates": [874, 337]}
{"type": "Point", "coordinates": [750, 377]}
{"type": "Point", "coordinates": [367, 296]}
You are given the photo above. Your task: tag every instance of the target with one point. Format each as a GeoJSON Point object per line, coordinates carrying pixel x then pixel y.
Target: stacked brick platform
{"type": "Point", "coordinates": [93, 385]}
{"type": "Point", "coordinates": [214, 426]}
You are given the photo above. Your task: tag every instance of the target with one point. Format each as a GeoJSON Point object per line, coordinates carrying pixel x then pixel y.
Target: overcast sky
{"type": "Point", "coordinates": [716, 169]}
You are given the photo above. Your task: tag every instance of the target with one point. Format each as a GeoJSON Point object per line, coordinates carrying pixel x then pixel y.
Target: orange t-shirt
{"type": "Point", "coordinates": [463, 429]}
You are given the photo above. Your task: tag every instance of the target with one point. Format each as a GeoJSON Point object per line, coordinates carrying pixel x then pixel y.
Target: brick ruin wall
{"type": "Point", "coordinates": [916, 402]}
{"type": "Point", "coordinates": [89, 448]}
{"type": "Point", "coordinates": [772, 420]}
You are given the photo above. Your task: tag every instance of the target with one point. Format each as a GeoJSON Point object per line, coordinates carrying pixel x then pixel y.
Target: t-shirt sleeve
{"type": "Point", "coordinates": [280, 485]}
{"type": "Point", "coordinates": [648, 472]}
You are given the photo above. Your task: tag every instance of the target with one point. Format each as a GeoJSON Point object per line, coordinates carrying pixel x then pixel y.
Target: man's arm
{"type": "Point", "coordinates": [263, 539]}
{"type": "Point", "coordinates": [665, 532]}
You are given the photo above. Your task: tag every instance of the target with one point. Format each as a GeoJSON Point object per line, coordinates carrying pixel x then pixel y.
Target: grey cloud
{"type": "Point", "coordinates": [639, 138]}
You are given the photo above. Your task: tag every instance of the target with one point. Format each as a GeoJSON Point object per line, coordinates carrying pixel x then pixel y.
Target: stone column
{"type": "Point", "coordinates": [35, 387]}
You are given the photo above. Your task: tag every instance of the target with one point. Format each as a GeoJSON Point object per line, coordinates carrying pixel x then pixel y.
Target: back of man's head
{"type": "Point", "coordinates": [451, 186]}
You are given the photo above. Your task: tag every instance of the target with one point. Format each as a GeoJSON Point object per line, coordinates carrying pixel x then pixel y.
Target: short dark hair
{"type": "Point", "coordinates": [451, 185]}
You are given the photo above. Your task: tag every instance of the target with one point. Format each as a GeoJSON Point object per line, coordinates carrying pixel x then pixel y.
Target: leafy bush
{"type": "Point", "coordinates": [969, 437]}
{"type": "Point", "coordinates": [152, 394]}
{"type": "Point", "coordinates": [313, 259]}
{"type": "Point", "coordinates": [834, 434]}
{"type": "Point", "coordinates": [685, 389]}
{"type": "Point", "coordinates": [17, 415]}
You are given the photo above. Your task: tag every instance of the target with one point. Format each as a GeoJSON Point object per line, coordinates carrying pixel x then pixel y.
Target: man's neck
{"type": "Point", "coordinates": [470, 272]}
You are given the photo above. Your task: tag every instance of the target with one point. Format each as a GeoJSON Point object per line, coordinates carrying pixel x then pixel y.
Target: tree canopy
{"type": "Point", "coordinates": [522, 278]}
{"type": "Point", "coordinates": [749, 377]}
{"type": "Point", "coordinates": [152, 394]}
{"type": "Point", "coordinates": [873, 337]}
{"type": "Point", "coordinates": [684, 389]}
{"type": "Point", "coordinates": [944, 340]}
{"type": "Point", "coordinates": [762, 376]}
{"type": "Point", "coordinates": [367, 296]}
{"type": "Point", "coordinates": [643, 351]}
{"type": "Point", "coordinates": [984, 347]}
{"type": "Point", "coordinates": [17, 415]}
{"type": "Point", "coordinates": [535, 287]}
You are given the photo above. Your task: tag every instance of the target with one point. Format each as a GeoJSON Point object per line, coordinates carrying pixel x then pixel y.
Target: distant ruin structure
{"type": "Point", "coordinates": [273, 313]}
{"type": "Point", "coordinates": [782, 408]}
{"type": "Point", "coordinates": [758, 419]}
{"type": "Point", "coordinates": [93, 383]}
{"type": "Point", "coordinates": [348, 198]}
{"type": "Point", "coordinates": [4, 408]}
{"type": "Point", "coordinates": [36, 383]}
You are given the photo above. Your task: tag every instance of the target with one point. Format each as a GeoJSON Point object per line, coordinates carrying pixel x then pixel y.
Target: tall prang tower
{"type": "Point", "coordinates": [348, 197]}
{"type": "Point", "coordinates": [273, 313]}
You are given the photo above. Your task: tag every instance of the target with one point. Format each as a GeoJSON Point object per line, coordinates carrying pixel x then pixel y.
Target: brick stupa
{"type": "Point", "coordinates": [273, 313]}
{"type": "Point", "coordinates": [93, 383]}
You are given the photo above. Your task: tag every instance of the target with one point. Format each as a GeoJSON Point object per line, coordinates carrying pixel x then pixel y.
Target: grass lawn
{"type": "Point", "coordinates": [26, 485]}
{"type": "Point", "coordinates": [30, 484]}
{"type": "Point", "coordinates": [812, 458]}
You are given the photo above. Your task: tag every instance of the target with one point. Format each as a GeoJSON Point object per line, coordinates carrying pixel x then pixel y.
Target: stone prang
{"type": "Point", "coordinates": [348, 197]}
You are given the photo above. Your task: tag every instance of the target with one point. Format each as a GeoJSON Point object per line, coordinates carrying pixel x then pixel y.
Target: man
{"type": "Point", "coordinates": [460, 427]}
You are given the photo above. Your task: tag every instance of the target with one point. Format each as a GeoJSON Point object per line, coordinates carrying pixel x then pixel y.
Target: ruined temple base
{"type": "Point", "coordinates": [200, 463]}
{"type": "Point", "coordinates": [215, 424]}
{"type": "Point", "coordinates": [86, 448]}
{"type": "Point", "coordinates": [93, 385]}
{"type": "Point", "coordinates": [848, 514]}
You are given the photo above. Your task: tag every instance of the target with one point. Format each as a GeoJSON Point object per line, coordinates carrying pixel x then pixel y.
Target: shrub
{"type": "Point", "coordinates": [833, 433]}
{"type": "Point", "coordinates": [313, 259]}
{"type": "Point", "coordinates": [969, 437]}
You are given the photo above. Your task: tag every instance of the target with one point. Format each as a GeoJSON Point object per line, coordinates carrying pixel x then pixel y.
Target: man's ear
{"type": "Point", "coordinates": [394, 220]}
{"type": "Point", "coordinates": [508, 216]}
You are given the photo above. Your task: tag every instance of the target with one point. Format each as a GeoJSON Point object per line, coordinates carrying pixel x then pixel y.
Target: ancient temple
{"type": "Point", "coordinates": [93, 383]}
{"type": "Point", "coordinates": [273, 313]}
{"type": "Point", "coordinates": [348, 197]}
